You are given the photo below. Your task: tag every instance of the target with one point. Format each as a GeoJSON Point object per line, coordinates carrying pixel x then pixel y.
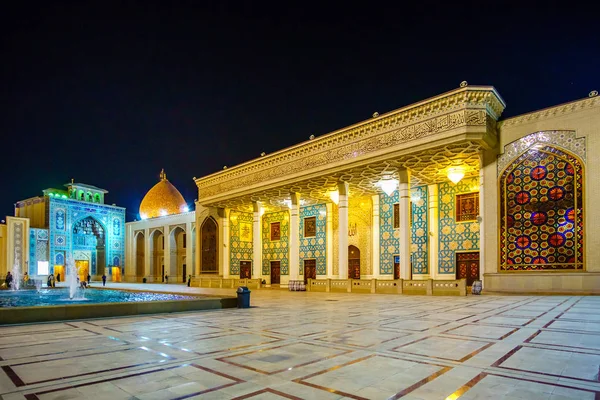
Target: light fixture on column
{"type": "Point", "coordinates": [288, 203]}
{"type": "Point", "coordinates": [334, 195]}
{"type": "Point", "coordinates": [388, 185]}
{"type": "Point", "coordinates": [455, 174]}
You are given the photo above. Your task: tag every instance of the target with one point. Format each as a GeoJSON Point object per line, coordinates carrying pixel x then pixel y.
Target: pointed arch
{"type": "Point", "coordinates": [542, 210]}
{"type": "Point", "coordinates": [209, 258]}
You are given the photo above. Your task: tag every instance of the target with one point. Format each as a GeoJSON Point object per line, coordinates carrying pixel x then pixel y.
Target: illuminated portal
{"type": "Point", "coordinates": [541, 212]}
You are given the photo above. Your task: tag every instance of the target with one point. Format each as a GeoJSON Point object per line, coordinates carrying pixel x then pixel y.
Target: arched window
{"type": "Point", "coordinates": [541, 211]}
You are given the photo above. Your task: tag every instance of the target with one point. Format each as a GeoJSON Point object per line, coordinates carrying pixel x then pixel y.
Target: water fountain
{"type": "Point", "coordinates": [16, 272]}
{"type": "Point", "coordinates": [75, 292]}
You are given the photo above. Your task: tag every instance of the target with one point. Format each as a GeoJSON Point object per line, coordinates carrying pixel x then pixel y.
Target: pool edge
{"type": "Point", "coordinates": [24, 315]}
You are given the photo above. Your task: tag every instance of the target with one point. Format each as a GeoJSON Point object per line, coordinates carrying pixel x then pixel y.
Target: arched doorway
{"type": "Point", "coordinates": [88, 246]}
{"type": "Point", "coordinates": [156, 253]}
{"type": "Point", "coordinates": [177, 256]}
{"type": "Point", "coordinates": [541, 211]}
{"type": "Point", "coordinates": [140, 253]}
{"type": "Point", "coordinates": [353, 262]}
{"type": "Point", "coordinates": [208, 259]}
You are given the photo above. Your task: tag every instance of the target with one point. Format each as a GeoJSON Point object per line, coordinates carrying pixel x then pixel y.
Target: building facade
{"type": "Point", "coordinates": [162, 243]}
{"type": "Point", "coordinates": [441, 189]}
{"type": "Point", "coordinates": [75, 222]}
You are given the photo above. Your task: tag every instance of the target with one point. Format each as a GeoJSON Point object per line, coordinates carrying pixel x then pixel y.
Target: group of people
{"type": "Point", "coordinates": [9, 280]}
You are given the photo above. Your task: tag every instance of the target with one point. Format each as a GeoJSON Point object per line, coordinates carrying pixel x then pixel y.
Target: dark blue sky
{"type": "Point", "coordinates": [109, 92]}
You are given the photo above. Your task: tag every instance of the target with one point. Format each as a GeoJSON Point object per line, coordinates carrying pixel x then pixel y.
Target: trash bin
{"type": "Point", "coordinates": [476, 288]}
{"type": "Point", "coordinates": [243, 297]}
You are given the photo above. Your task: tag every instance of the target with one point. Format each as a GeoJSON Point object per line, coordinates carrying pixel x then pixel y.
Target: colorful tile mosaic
{"type": "Point", "coordinates": [275, 250]}
{"type": "Point", "coordinates": [314, 247]}
{"type": "Point", "coordinates": [240, 240]}
{"type": "Point", "coordinates": [388, 236]}
{"type": "Point", "coordinates": [69, 217]}
{"type": "Point", "coordinates": [541, 212]}
{"type": "Point", "coordinates": [462, 236]}
{"type": "Point", "coordinates": [419, 230]}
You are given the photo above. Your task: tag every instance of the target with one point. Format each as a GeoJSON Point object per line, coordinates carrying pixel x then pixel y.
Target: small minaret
{"type": "Point", "coordinates": [163, 176]}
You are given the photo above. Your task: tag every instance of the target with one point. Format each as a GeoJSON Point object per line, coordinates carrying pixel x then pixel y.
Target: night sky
{"type": "Point", "coordinates": [108, 93]}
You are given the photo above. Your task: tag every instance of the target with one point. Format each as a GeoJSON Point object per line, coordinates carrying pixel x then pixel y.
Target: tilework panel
{"type": "Point", "coordinates": [388, 236]}
{"type": "Point", "coordinates": [38, 248]}
{"type": "Point", "coordinates": [276, 250]}
{"type": "Point", "coordinates": [454, 236]}
{"type": "Point", "coordinates": [419, 247]}
{"type": "Point", "coordinates": [314, 247]}
{"type": "Point", "coordinates": [66, 213]}
{"type": "Point", "coordinates": [239, 248]}
{"type": "Point", "coordinates": [541, 212]}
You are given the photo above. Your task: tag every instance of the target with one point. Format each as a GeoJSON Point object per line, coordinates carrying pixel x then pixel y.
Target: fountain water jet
{"type": "Point", "coordinates": [16, 272]}
{"type": "Point", "coordinates": [74, 290]}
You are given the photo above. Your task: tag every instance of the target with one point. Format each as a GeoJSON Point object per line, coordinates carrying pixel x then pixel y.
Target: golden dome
{"type": "Point", "coordinates": [163, 199]}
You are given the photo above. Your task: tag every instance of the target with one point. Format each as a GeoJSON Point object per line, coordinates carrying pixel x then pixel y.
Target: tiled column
{"type": "Point", "coordinates": [148, 253]}
{"type": "Point", "coordinates": [343, 230]}
{"type": "Point", "coordinates": [295, 237]}
{"type": "Point", "coordinates": [433, 238]}
{"type": "Point", "coordinates": [167, 253]}
{"type": "Point", "coordinates": [329, 239]}
{"type": "Point", "coordinates": [189, 247]}
{"type": "Point", "coordinates": [480, 220]}
{"type": "Point", "coordinates": [257, 241]}
{"type": "Point", "coordinates": [225, 243]}
{"type": "Point", "coordinates": [404, 231]}
{"type": "Point", "coordinates": [375, 234]}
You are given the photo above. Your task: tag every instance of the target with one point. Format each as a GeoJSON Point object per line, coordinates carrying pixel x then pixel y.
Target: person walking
{"type": "Point", "coordinates": [89, 278]}
{"type": "Point", "coordinates": [189, 280]}
{"type": "Point", "coordinates": [58, 277]}
{"type": "Point", "coordinates": [166, 278]}
{"type": "Point", "coordinates": [103, 279]}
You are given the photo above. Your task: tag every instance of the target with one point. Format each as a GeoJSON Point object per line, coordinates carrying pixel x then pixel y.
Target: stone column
{"type": "Point", "coordinates": [257, 241]}
{"type": "Point", "coordinates": [224, 264]}
{"type": "Point", "coordinates": [189, 247]}
{"type": "Point", "coordinates": [198, 241]}
{"type": "Point", "coordinates": [167, 253]}
{"type": "Point", "coordinates": [295, 237]}
{"type": "Point", "coordinates": [480, 220]}
{"type": "Point", "coordinates": [148, 253]}
{"type": "Point", "coordinates": [433, 224]}
{"type": "Point", "coordinates": [329, 239]}
{"type": "Point", "coordinates": [404, 231]}
{"type": "Point", "coordinates": [375, 234]}
{"type": "Point", "coordinates": [343, 230]}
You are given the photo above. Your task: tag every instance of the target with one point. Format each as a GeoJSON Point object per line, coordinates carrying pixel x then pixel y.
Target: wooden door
{"type": "Point", "coordinates": [245, 269]}
{"type": "Point", "coordinates": [209, 246]}
{"type": "Point", "coordinates": [396, 267]}
{"type": "Point", "coordinates": [184, 273]}
{"type": "Point", "coordinates": [353, 262]}
{"type": "Point", "coordinates": [467, 267]}
{"type": "Point", "coordinates": [310, 270]}
{"type": "Point", "coordinates": [275, 272]}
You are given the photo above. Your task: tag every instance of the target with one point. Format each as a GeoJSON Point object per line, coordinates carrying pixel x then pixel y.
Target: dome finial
{"type": "Point", "coordinates": [163, 176]}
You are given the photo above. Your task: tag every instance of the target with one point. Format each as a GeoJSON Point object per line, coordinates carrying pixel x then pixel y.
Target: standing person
{"type": "Point", "coordinates": [89, 278]}
{"type": "Point", "coordinates": [103, 279]}
{"type": "Point", "coordinates": [9, 279]}
{"type": "Point", "coordinates": [166, 278]}
{"type": "Point", "coordinates": [189, 280]}
{"type": "Point", "coordinates": [25, 279]}
{"type": "Point", "coordinates": [58, 277]}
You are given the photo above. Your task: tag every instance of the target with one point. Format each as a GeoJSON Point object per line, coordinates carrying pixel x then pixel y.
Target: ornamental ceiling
{"type": "Point", "coordinates": [426, 167]}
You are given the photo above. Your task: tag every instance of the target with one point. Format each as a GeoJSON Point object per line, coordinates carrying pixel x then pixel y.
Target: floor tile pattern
{"type": "Point", "coordinates": [299, 345]}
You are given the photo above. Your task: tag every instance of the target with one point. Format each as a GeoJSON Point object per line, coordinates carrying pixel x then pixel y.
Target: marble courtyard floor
{"type": "Point", "coordinates": [293, 345]}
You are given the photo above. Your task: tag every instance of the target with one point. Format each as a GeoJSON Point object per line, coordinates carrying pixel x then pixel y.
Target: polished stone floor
{"type": "Point", "coordinates": [298, 345]}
